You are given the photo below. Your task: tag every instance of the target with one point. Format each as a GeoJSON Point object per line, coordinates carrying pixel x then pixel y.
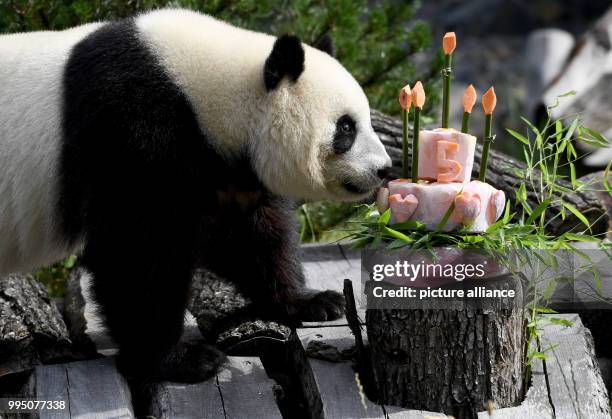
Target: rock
{"type": "Point", "coordinates": [32, 330]}
{"type": "Point", "coordinates": [588, 71]}
{"type": "Point", "coordinates": [546, 53]}
{"type": "Point", "coordinates": [216, 303]}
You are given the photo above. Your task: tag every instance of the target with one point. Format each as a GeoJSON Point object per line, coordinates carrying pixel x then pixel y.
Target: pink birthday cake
{"type": "Point", "coordinates": [446, 170]}
{"type": "Point", "coordinates": [443, 166]}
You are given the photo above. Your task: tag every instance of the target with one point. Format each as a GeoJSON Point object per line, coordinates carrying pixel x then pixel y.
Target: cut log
{"type": "Point", "coordinates": [454, 359]}
{"type": "Point", "coordinates": [31, 327]}
{"type": "Point", "coordinates": [501, 173]}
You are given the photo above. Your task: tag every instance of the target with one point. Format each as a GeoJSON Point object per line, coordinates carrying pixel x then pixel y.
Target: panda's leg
{"type": "Point", "coordinates": [141, 287]}
{"type": "Point", "coordinates": [264, 261]}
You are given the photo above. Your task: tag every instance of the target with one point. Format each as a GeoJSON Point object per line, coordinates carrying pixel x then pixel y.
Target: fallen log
{"type": "Point", "coordinates": [31, 327]}
{"type": "Point", "coordinates": [501, 173]}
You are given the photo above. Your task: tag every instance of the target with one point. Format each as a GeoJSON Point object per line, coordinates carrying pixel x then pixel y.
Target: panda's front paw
{"type": "Point", "coordinates": [191, 362]}
{"type": "Point", "coordinates": [320, 306]}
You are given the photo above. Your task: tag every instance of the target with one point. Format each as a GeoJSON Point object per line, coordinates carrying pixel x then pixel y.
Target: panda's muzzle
{"type": "Point", "coordinates": [372, 183]}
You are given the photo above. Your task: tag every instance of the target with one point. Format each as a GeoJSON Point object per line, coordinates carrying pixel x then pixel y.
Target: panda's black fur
{"type": "Point", "coordinates": [142, 185]}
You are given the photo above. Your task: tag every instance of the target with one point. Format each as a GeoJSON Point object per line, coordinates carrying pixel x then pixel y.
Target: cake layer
{"type": "Point", "coordinates": [477, 204]}
{"type": "Point", "coordinates": [446, 155]}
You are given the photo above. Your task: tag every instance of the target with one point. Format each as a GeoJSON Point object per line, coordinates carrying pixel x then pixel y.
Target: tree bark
{"type": "Point", "coordinates": [502, 174]}
{"type": "Point", "coordinates": [451, 360]}
{"type": "Point", "coordinates": [31, 327]}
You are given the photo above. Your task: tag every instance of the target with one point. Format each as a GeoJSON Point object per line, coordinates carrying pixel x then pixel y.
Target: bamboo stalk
{"type": "Point", "coordinates": [418, 99]}
{"type": "Point", "coordinates": [405, 172]}
{"type": "Point", "coordinates": [465, 123]}
{"type": "Point", "coordinates": [469, 99]}
{"type": "Point", "coordinates": [449, 43]}
{"type": "Point", "coordinates": [415, 145]}
{"type": "Point", "coordinates": [405, 99]}
{"type": "Point", "coordinates": [489, 100]}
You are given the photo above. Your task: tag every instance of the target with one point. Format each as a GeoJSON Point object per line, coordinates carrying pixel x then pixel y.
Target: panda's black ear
{"type": "Point", "coordinates": [286, 59]}
{"type": "Point", "coordinates": [326, 44]}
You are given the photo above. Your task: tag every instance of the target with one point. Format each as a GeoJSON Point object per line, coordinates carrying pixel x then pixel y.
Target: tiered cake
{"type": "Point", "coordinates": [446, 158]}
{"type": "Point", "coordinates": [442, 163]}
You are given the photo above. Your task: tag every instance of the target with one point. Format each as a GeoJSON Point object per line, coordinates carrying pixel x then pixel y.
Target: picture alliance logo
{"type": "Point", "coordinates": [412, 271]}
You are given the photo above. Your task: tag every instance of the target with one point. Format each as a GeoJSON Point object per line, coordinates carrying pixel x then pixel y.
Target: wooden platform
{"type": "Point", "coordinates": [320, 357]}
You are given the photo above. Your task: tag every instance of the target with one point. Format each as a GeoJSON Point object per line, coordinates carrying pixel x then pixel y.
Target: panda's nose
{"type": "Point", "coordinates": [383, 172]}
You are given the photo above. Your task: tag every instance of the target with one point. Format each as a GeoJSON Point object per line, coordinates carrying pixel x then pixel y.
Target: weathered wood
{"type": "Point", "coordinates": [241, 388]}
{"type": "Point", "coordinates": [453, 359]}
{"type": "Point", "coordinates": [330, 383]}
{"type": "Point", "coordinates": [92, 389]}
{"type": "Point", "coordinates": [31, 327]}
{"type": "Point", "coordinates": [52, 384]}
{"type": "Point", "coordinates": [536, 404]}
{"type": "Point", "coordinates": [575, 384]}
{"type": "Point", "coordinates": [502, 175]}
{"type": "Point", "coordinates": [245, 387]}
{"type": "Point", "coordinates": [175, 400]}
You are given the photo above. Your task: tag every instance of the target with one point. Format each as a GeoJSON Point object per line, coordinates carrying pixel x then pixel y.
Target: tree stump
{"type": "Point", "coordinates": [452, 359]}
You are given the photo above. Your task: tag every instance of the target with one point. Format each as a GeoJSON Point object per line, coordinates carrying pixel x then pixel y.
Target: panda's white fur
{"type": "Point", "coordinates": [220, 68]}
{"type": "Point", "coordinates": [31, 69]}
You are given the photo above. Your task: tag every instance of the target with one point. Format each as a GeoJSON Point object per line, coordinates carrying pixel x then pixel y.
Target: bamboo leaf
{"type": "Point", "coordinates": [537, 211]}
{"type": "Point", "coordinates": [397, 235]}
{"type": "Point", "coordinates": [447, 215]}
{"type": "Point", "coordinates": [579, 237]}
{"type": "Point", "coordinates": [570, 131]}
{"type": "Point", "coordinates": [595, 137]}
{"type": "Point", "coordinates": [518, 136]}
{"type": "Point", "coordinates": [578, 214]}
{"type": "Point", "coordinates": [384, 218]}
{"type": "Point", "coordinates": [521, 194]}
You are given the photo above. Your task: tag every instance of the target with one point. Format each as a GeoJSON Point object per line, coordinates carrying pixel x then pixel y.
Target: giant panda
{"type": "Point", "coordinates": [156, 143]}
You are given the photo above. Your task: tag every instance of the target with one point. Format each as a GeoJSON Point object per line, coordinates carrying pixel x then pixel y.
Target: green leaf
{"type": "Point", "coordinates": [573, 174]}
{"type": "Point", "coordinates": [384, 218]}
{"type": "Point", "coordinates": [518, 136]}
{"type": "Point", "coordinates": [606, 179]}
{"type": "Point", "coordinates": [397, 235]}
{"type": "Point", "coordinates": [521, 194]}
{"type": "Point", "coordinates": [570, 131]}
{"type": "Point", "coordinates": [578, 214]}
{"type": "Point", "coordinates": [579, 237]}
{"type": "Point", "coordinates": [447, 215]}
{"type": "Point", "coordinates": [595, 138]}
{"type": "Point", "coordinates": [558, 130]}
{"type": "Point", "coordinates": [544, 310]}
{"type": "Point", "coordinates": [560, 322]}
{"type": "Point", "coordinates": [537, 211]}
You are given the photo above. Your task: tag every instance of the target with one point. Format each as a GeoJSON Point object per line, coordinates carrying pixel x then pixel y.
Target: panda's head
{"type": "Point", "coordinates": [315, 138]}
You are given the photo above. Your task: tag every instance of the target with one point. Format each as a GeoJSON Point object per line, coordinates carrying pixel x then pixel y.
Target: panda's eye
{"type": "Point", "coordinates": [345, 134]}
{"type": "Point", "coordinates": [346, 127]}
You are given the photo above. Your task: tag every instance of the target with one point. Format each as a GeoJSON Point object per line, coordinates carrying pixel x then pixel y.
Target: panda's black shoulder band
{"type": "Point", "coordinates": [286, 59]}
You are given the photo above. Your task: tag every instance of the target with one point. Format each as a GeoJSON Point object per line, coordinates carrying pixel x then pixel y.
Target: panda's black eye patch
{"type": "Point", "coordinates": [345, 134]}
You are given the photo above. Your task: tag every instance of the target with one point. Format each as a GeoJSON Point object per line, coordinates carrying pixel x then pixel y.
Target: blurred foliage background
{"type": "Point", "coordinates": [380, 43]}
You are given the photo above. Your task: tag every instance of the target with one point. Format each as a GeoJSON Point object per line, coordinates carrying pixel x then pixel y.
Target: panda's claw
{"type": "Point", "coordinates": [321, 306]}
